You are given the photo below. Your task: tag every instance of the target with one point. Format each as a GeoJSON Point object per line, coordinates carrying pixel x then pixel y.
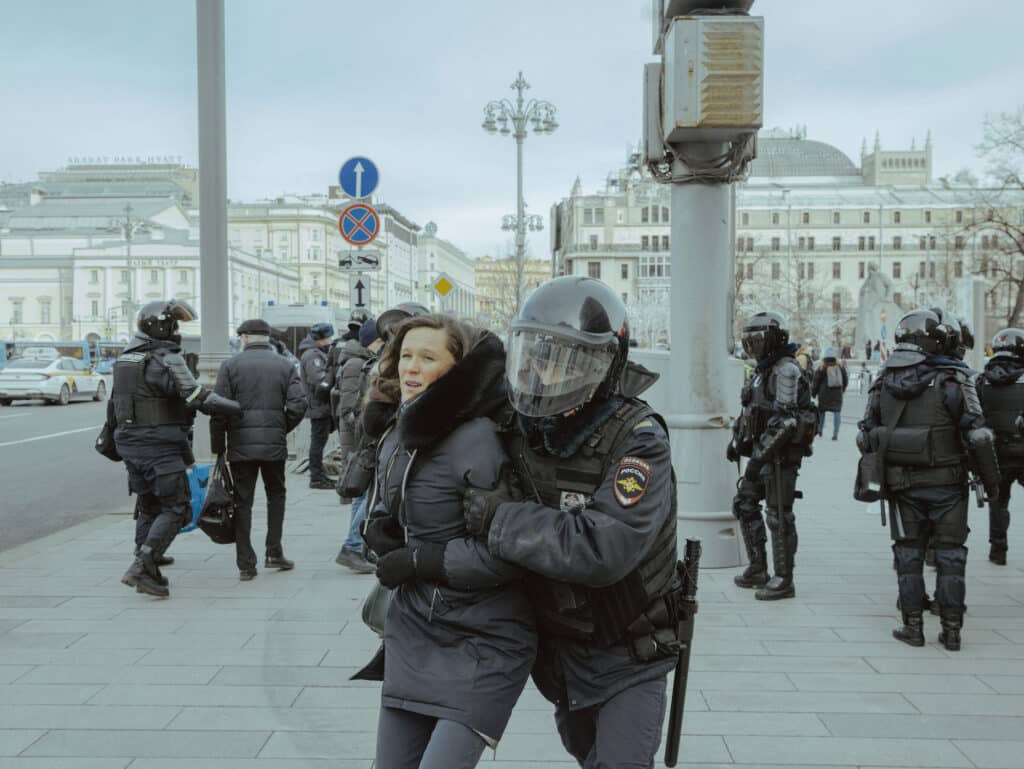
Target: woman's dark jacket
{"type": "Point", "coordinates": [829, 398]}
{"type": "Point", "coordinates": [461, 650]}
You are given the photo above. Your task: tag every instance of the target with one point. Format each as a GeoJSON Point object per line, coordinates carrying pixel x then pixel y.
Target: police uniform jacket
{"type": "Point", "coordinates": [1001, 391]}
{"type": "Point", "coordinates": [461, 650]}
{"type": "Point", "coordinates": [595, 541]}
{"type": "Point", "coordinates": [273, 400]}
{"type": "Point", "coordinates": [313, 362]}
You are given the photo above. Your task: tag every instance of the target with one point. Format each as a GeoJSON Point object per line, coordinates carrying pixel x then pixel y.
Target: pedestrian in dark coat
{"type": "Point", "coordinates": [828, 385]}
{"type": "Point", "coordinates": [313, 358]}
{"type": "Point", "coordinates": [268, 387]}
{"type": "Point", "coordinates": [459, 638]}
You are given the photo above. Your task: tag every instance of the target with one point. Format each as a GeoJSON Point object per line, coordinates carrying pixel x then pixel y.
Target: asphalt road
{"type": "Point", "coordinates": [50, 476]}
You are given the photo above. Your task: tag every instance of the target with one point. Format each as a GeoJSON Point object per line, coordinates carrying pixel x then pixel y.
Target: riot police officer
{"type": "Point", "coordinates": [775, 431]}
{"type": "Point", "coordinates": [1001, 391]}
{"type": "Point", "coordinates": [151, 408]}
{"type": "Point", "coordinates": [924, 422]}
{"type": "Point", "coordinates": [598, 525]}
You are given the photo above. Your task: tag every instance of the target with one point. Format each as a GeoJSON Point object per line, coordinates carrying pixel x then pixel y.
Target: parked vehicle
{"type": "Point", "coordinates": [57, 379]}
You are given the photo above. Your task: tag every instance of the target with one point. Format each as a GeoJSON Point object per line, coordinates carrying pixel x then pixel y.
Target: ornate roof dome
{"type": "Point", "coordinates": [780, 153]}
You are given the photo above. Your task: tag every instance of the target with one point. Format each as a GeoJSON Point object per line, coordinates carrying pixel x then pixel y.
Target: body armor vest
{"type": "Point", "coordinates": [136, 403]}
{"type": "Point", "coordinates": [601, 615]}
{"type": "Point", "coordinates": [924, 448]}
{"type": "Point", "coordinates": [757, 405]}
{"type": "Point", "coordinates": [1002, 405]}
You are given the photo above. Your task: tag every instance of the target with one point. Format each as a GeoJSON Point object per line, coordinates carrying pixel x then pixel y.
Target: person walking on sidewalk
{"type": "Point", "coordinates": [313, 357]}
{"type": "Point", "coordinates": [151, 409]}
{"type": "Point", "coordinates": [268, 388]}
{"type": "Point", "coordinates": [828, 385]}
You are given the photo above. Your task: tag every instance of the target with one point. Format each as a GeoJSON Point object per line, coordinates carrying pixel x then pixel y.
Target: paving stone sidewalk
{"type": "Point", "coordinates": [230, 675]}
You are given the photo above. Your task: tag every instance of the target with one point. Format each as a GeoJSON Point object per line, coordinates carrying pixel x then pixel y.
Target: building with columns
{"type": "Point", "coordinates": [439, 257]}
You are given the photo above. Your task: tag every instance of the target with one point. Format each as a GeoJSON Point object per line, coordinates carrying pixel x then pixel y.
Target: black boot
{"type": "Point", "coordinates": [783, 549]}
{"type": "Point", "coordinates": [912, 632]}
{"type": "Point", "coordinates": [756, 574]}
{"type": "Point", "coordinates": [161, 560]}
{"type": "Point", "coordinates": [997, 553]}
{"type": "Point", "coordinates": [950, 635]}
{"type": "Point", "coordinates": [278, 561]}
{"type": "Point", "coordinates": [144, 575]}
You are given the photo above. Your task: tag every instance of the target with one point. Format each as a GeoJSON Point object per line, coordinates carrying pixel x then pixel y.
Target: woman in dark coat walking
{"type": "Point", "coordinates": [459, 637]}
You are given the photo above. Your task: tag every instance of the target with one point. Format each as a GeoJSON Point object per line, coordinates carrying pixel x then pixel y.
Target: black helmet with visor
{"type": "Point", "coordinates": [159, 320]}
{"type": "Point", "coordinates": [764, 335]}
{"type": "Point", "coordinates": [567, 347]}
{"type": "Point", "coordinates": [1008, 343]}
{"type": "Point", "coordinates": [924, 330]}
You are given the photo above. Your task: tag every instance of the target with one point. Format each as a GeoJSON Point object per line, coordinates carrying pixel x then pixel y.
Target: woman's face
{"type": "Point", "coordinates": [423, 360]}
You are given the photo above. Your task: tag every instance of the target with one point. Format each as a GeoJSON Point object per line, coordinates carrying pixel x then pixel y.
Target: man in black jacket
{"type": "Point", "coordinates": [151, 409]}
{"type": "Point", "coordinates": [269, 390]}
{"type": "Point", "coordinates": [1001, 390]}
{"type": "Point", "coordinates": [598, 527]}
{"type": "Point", "coordinates": [313, 357]}
{"type": "Point", "coordinates": [924, 419]}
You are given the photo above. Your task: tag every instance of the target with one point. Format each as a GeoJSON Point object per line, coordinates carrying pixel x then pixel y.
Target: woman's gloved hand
{"type": "Point", "coordinates": [425, 562]}
{"type": "Point", "coordinates": [382, 534]}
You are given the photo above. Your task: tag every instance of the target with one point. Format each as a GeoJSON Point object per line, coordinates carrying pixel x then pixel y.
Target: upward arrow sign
{"type": "Point", "coordinates": [359, 294]}
{"type": "Point", "coordinates": [359, 179]}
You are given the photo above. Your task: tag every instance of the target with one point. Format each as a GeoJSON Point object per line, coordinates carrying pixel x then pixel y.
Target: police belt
{"type": "Point", "coordinates": [154, 412]}
{"type": "Point", "coordinates": [901, 477]}
{"type": "Point", "coordinates": [657, 632]}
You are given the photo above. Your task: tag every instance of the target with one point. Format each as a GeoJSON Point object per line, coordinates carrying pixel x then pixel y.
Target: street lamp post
{"type": "Point", "coordinates": [521, 113]}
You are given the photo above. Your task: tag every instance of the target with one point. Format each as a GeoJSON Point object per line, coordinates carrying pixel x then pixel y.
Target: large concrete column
{"type": "Point", "coordinates": [213, 193]}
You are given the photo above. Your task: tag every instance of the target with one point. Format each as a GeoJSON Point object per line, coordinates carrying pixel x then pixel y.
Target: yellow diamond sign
{"type": "Point", "coordinates": [443, 285]}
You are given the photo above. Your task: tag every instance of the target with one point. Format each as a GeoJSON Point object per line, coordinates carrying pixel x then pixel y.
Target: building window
{"type": "Point", "coordinates": [745, 219]}
{"type": "Point", "coordinates": [16, 316]}
{"type": "Point", "coordinates": [995, 241]}
{"type": "Point", "coordinates": [316, 235]}
{"type": "Point", "coordinates": [654, 214]}
{"type": "Point", "coordinates": [124, 276]}
{"type": "Point", "coordinates": [860, 270]}
{"type": "Point", "coordinates": [593, 242]}
{"type": "Point", "coordinates": [984, 242]}
{"type": "Point", "coordinates": [959, 217]}
{"type": "Point", "coordinates": [625, 298]}
{"type": "Point", "coordinates": [776, 243]}
{"type": "Point", "coordinates": [867, 217]}
{"type": "Point", "coordinates": [920, 269]}
{"type": "Point", "coordinates": [801, 243]}
{"type": "Point", "coordinates": [897, 299]}
{"type": "Point", "coordinates": [958, 242]}
{"type": "Point", "coordinates": [154, 276]}
{"type": "Point", "coordinates": [645, 215]}
{"type": "Point", "coordinates": [664, 215]}
{"type": "Point", "coordinates": [183, 276]}
{"type": "Point", "coordinates": [645, 242]}
{"type": "Point", "coordinates": [624, 271]}
{"type": "Point", "coordinates": [775, 218]}
{"type": "Point", "coordinates": [860, 243]}
{"type": "Point", "coordinates": [95, 309]}
{"type": "Point", "coordinates": [750, 270]}
{"type": "Point", "coordinates": [931, 270]}
{"type": "Point", "coordinates": [739, 244]}
{"type": "Point", "coordinates": [837, 302]}
{"type": "Point", "coordinates": [927, 217]}
{"type": "Point", "coordinates": [776, 270]}
{"type": "Point", "coordinates": [282, 254]}
{"type": "Point", "coordinates": [897, 269]}
{"type": "Point", "coordinates": [810, 270]}
{"type": "Point", "coordinates": [800, 273]}
{"type": "Point", "coordinates": [871, 243]}
{"type": "Point", "coordinates": [897, 243]}
{"type": "Point", "coordinates": [924, 242]}
{"type": "Point", "coordinates": [594, 270]}
{"type": "Point", "coordinates": [598, 216]}
{"type": "Point", "coordinates": [837, 270]}
{"type": "Point", "coordinates": [835, 217]}
{"type": "Point", "coordinates": [931, 242]}
{"type": "Point", "coordinates": [958, 269]}
{"type": "Point", "coordinates": [805, 218]}
{"type": "Point", "coordinates": [664, 243]}
{"type": "Point", "coordinates": [895, 217]}
{"type": "Point", "coordinates": [810, 244]}
{"type": "Point", "coordinates": [655, 245]}
{"type": "Point", "coordinates": [750, 244]}
{"type": "Point", "coordinates": [837, 244]}
{"type": "Point", "coordinates": [588, 215]}
{"type": "Point", "coordinates": [94, 276]}
{"type": "Point", "coordinates": [44, 311]}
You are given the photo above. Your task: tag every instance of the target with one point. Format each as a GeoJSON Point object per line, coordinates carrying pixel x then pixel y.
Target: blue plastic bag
{"type": "Point", "coordinates": [198, 478]}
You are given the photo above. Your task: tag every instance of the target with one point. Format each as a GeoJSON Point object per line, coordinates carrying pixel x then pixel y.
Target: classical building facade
{"type": "Point", "coordinates": [810, 225]}
{"type": "Point", "coordinates": [438, 257]}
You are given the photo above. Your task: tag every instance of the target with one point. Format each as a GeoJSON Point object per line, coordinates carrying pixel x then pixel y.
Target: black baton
{"type": "Point", "coordinates": [688, 575]}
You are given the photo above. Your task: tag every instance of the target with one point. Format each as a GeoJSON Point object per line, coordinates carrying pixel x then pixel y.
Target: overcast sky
{"type": "Point", "coordinates": [312, 82]}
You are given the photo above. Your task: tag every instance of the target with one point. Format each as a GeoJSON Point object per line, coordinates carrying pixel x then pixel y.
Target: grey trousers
{"type": "Point", "coordinates": [407, 740]}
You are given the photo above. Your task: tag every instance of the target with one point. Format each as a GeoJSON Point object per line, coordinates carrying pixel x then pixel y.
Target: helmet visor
{"type": "Point", "coordinates": [550, 374]}
{"type": "Point", "coordinates": [181, 311]}
{"type": "Point", "coordinates": [755, 343]}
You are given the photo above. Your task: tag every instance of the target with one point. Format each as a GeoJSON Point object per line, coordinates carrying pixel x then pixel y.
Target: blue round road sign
{"type": "Point", "coordinates": [359, 224]}
{"type": "Point", "coordinates": [358, 177]}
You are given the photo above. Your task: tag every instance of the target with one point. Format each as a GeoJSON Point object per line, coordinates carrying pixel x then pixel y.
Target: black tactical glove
{"type": "Point", "coordinates": [479, 505]}
{"type": "Point", "coordinates": [322, 393]}
{"type": "Point", "coordinates": [382, 534]}
{"type": "Point", "coordinates": [425, 562]}
{"type": "Point", "coordinates": [731, 454]}
{"type": "Point", "coordinates": [217, 405]}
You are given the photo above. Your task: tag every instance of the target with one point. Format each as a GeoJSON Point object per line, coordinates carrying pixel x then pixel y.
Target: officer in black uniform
{"type": "Point", "coordinates": [152, 405]}
{"type": "Point", "coordinates": [598, 525]}
{"type": "Point", "coordinates": [774, 431]}
{"type": "Point", "coordinates": [924, 419]}
{"type": "Point", "coordinates": [1001, 391]}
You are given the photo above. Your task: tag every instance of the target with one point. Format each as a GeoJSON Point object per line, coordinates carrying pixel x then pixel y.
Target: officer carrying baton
{"type": "Point", "coordinates": [687, 609]}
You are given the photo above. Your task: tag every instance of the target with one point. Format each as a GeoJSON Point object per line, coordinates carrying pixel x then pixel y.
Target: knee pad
{"type": "Point", "coordinates": [951, 560]}
{"type": "Point", "coordinates": [909, 560]}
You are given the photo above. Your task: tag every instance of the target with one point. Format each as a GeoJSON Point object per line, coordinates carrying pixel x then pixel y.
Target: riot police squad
{"type": "Point", "coordinates": [775, 431]}
{"type": "Point", "coordinates": [924, 427]}
{"type": "Point", "coordinates": [151, 409]}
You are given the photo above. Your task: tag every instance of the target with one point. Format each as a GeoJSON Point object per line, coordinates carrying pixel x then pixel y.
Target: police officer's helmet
{"type": "Point", "coordinates": [320, 331]}
{"type": "Point", "coordinates": [568, 346]}
{"type": "Point", "coordinates": [954, 333]}
{"type": "Point", "coordinates": [159, 320]}
{"type": "Point", "coordinates": [764, 335]}
{"type": "Point", "coordinates": [389, 319]}
{"type": "Point", "coordinates": [922, 329]}
{"type": "Point", "coordinates": [357, 318]}
{"type": "Point", "coordinates": [1008, 343]}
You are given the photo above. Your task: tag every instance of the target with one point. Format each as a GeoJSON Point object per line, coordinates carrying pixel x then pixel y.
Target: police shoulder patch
{"type": "Point", "coordinates": [631, 480]}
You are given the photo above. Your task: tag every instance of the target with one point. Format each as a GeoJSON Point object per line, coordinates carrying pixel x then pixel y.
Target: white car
{"type": "Point", "coordinates": [57, 380]}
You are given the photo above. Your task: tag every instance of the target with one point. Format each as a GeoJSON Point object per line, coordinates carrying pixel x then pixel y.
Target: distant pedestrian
{"type": "Point", "coordinates": [867, 350]}
{"type": "Point", "coordinates": [863, 378]}
{"type": "Point", "coordinates": [313, 357]}
{"type": "Point", "coordinates": [270, 392]}
{"type": "Point", "coordinates": [828, 384]}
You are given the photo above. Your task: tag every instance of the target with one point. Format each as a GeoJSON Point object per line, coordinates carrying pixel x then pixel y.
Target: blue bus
{"type": "Point", "coordinates": [80, 350]}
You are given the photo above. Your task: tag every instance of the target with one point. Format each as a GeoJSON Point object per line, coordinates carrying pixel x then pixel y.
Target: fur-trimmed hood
{"type": "Point", "coordinates": [473, 387]}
